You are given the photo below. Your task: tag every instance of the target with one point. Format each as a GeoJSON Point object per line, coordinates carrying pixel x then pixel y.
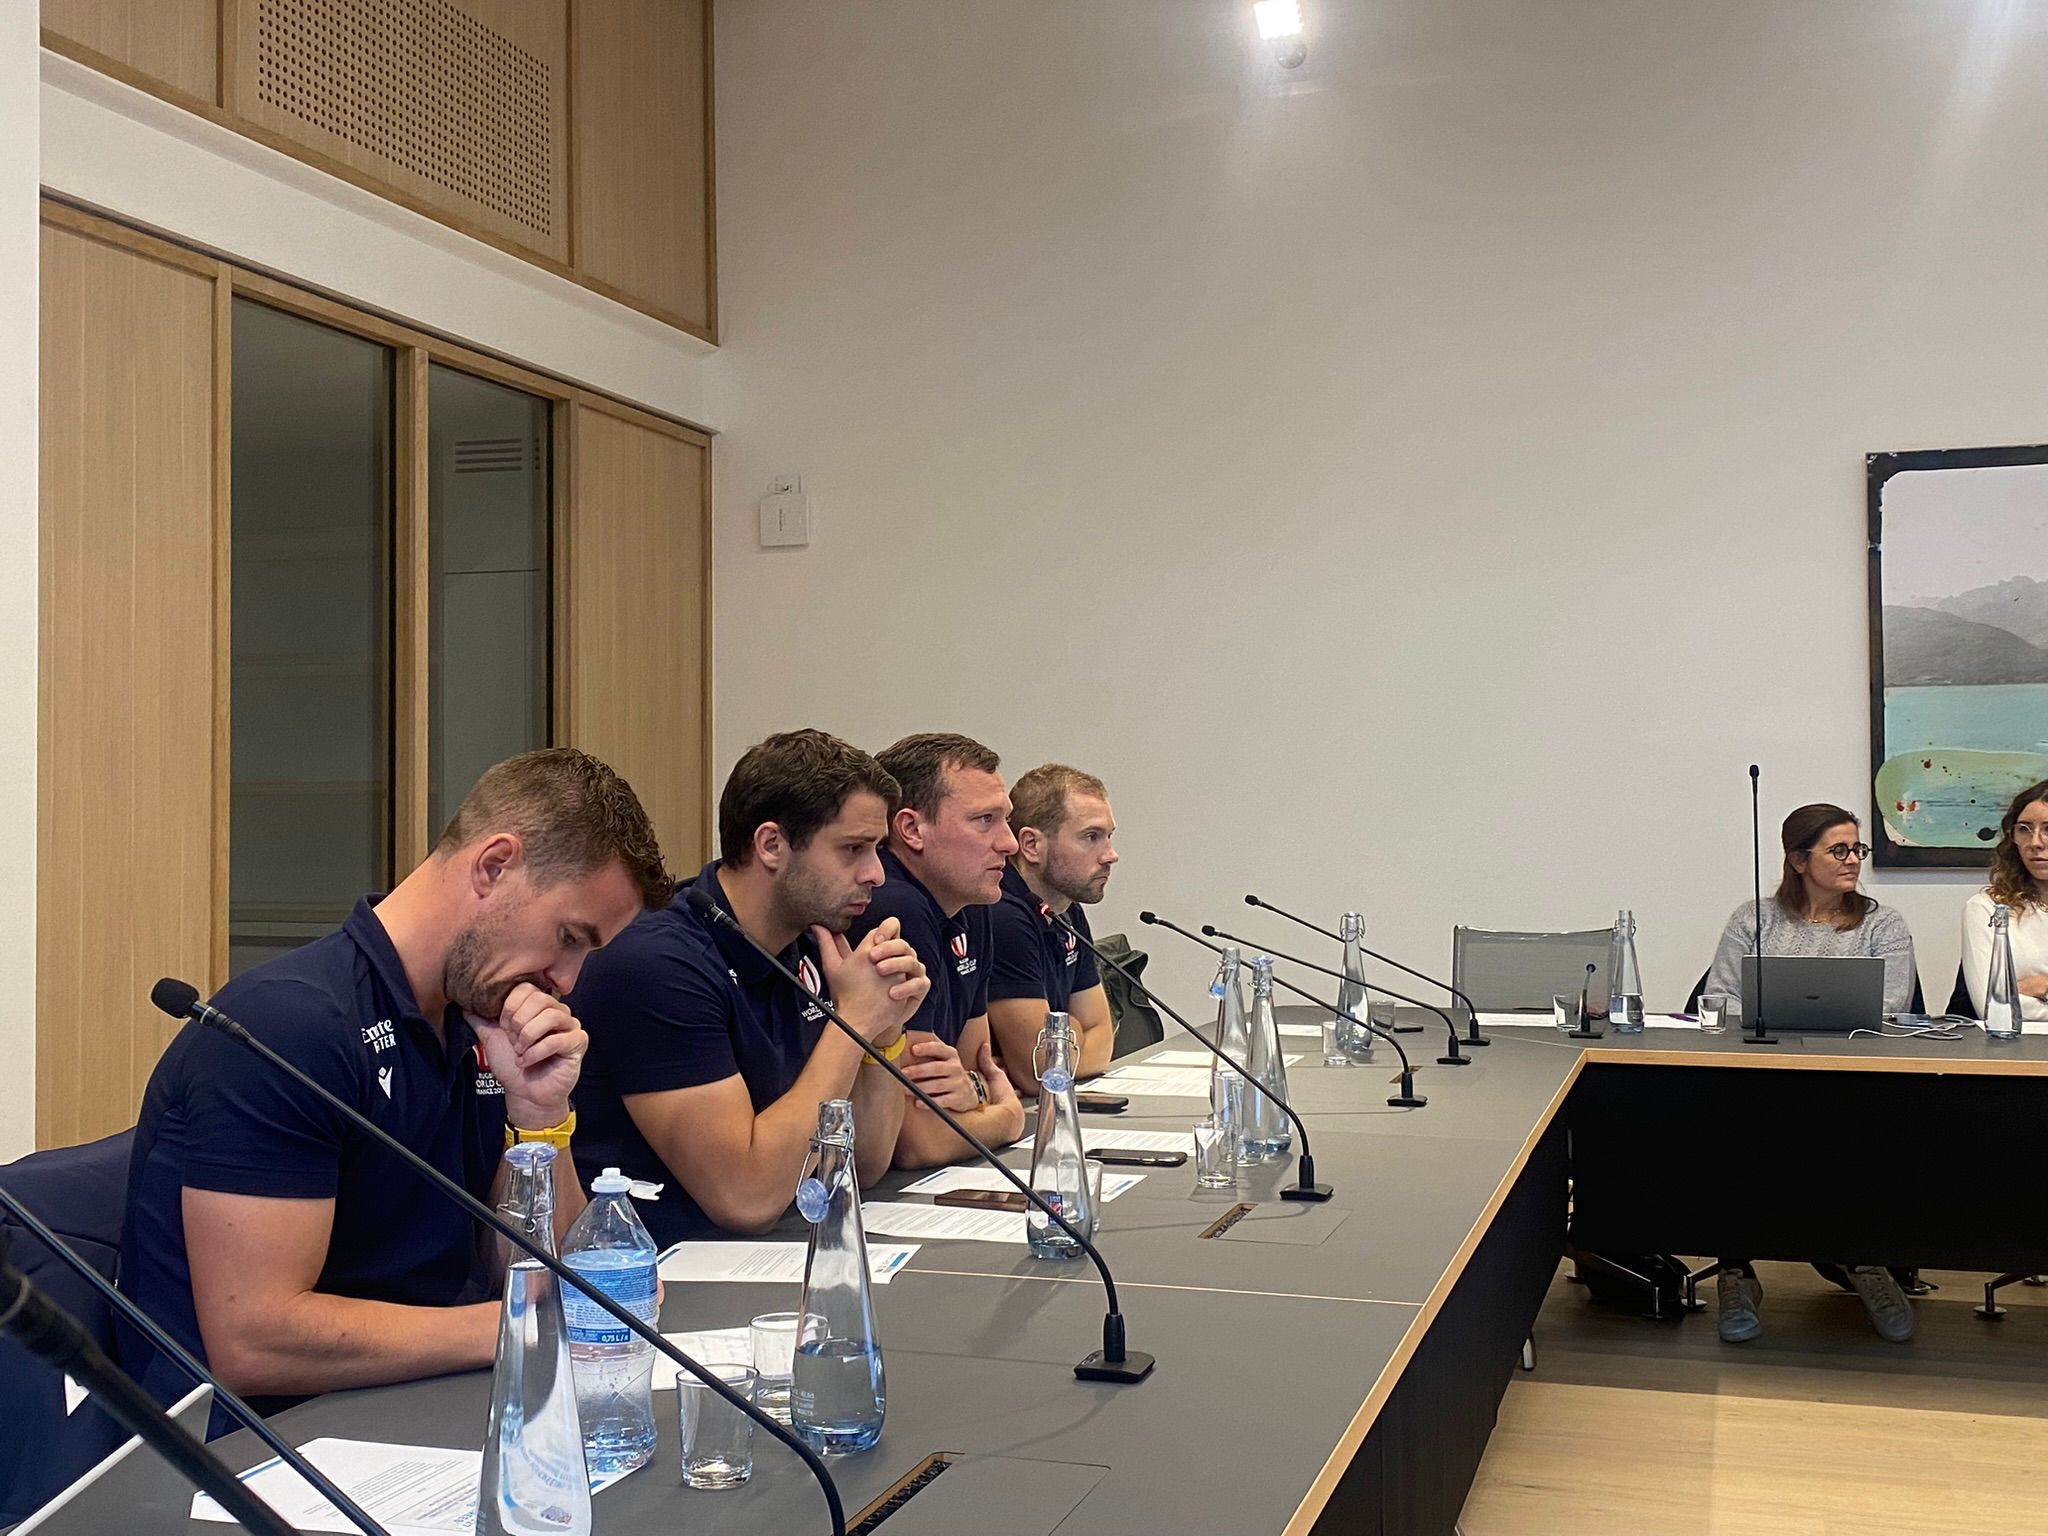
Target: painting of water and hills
{"type": "Point", "coordinates": [1959, 648]}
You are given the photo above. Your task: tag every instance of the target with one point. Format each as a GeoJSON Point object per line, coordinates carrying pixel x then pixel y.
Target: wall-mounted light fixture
{"type": "Point", "coordinates": [1281, 30]}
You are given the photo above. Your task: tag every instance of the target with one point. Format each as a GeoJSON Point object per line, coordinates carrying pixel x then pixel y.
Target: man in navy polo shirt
{"type": "Point", "coordinates": [947, 847]}
{"type": "Point", "coordinates": [1065, 851]}
{"type": "Point", "coordinates": [706, 1068]}
{"type": "Point", "coordinates": [279, 1243]}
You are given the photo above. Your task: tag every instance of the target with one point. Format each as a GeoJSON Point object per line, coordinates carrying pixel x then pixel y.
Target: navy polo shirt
{"type": "Point", "coordinates": [1036, 958]}
{"type": "Point", "coordinates": [216, 1116]}
{"type": "Point", "coordinates": [954, 949]}
{"type": "Point", "coordinates": [677, 1001]}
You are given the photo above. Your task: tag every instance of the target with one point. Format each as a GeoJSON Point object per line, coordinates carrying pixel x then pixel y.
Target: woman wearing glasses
{"type": "Point", "coordinates": [2019, 881]}
{"type": "Point", "coordinates": [1817, 910]}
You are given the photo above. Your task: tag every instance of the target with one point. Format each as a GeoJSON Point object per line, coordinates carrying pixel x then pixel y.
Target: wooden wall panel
{"type": "Point", "coordinates": [125, 745]}
{"type": "Point", "coordinates": [633, 658]}
{"type": "Point", "coordinates": [643, 152]}
{"type": "Point", "coordinates": [173, 42]}
{"type": "Point", "coordinates": [459, 107]}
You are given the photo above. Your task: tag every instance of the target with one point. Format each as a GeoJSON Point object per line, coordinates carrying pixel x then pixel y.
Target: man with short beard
{"type": "Point", "coordinates": [706, 1066]}
{"type": "Point", "coordinates": [281, 1244]}
{"type": "Point", "coordinates": [1065, 850]}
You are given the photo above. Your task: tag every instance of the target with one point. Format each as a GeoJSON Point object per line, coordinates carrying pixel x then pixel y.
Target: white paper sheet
{"type": "Point", "coordinates": [1141, 1081]}
{"type": "Point", "coordinates": [705, 1347]}
{"type": "Point", "coordinates": [410, 1490]}
{"type": "Point", "coordinates": [1305, 1031]}
{"type": "Point", "coordinates": [1194, 1057]}
{"type": "Point", "coordinates": [1094, 1138]}
{"type": "Point", "coordinates": [1114, 1182]}
{"type": "Point", "coordinates": [767, 1261]}
{"type": "Point", "coordinates": [936, 1223]}
{"type": "Point", "coordinates": [1545, 1021]}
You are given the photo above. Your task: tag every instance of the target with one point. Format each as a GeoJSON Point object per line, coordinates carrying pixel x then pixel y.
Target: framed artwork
{"type": "Point", "coordinates": [1958, 648]}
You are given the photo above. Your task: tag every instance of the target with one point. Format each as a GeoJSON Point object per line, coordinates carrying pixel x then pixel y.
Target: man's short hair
{"type": "Point", "coordinates": [572, 814]}
{"type": "Point", "coordinates": [1039, 798]}
{"type": "Point", "coordinates": [798, 780]}
{"type": "Point", "coordinates": [919, 763]}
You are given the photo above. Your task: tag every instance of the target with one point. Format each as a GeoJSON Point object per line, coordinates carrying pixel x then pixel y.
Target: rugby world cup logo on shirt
{"type": "Point", "coordinates": [813, 987]}
{"type": "Point", "coordinates": [1073, 953]}
{"type": "Point", "coordinates": [486, 1080]}
{"type": "Point", "coordinates": [963, 963]}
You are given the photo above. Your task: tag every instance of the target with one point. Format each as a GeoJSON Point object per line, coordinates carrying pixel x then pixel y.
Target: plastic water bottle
{"type": "Point", "coordinates": [533, 1477]}
{"type": "Point", "coordinates": [1624, 977]}
{"type": "Point", "coordinates": [1269, 1127]}
{"type": "Point", "coordinates": [1059, 1165]}
{"type": "Point", "coordinates": [2001, 986]}
{"type": "Point", "coordinates": [614, 1367]}
{"type": "Point", "coordinates": [838, 1395]}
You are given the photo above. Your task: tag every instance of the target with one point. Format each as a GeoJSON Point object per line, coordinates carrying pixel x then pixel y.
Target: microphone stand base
{"type": "Point", "coordinates": [1585, 1034]}
{"type": "Point", "coordinates": [1475, 1040]}
{"type": "Point", "coordinates": [1759, 1039]}
{"type": "Point", "coordinates": [1305, 1192]}
{"type": "Point", "coordinates": [1136, 1365]}
{"type": "Point", "coordinates": [1409, 1029]}
{"type": "Point", "coordinates": [1407, 1101]}
{"type": "Point", "coordinates": [1454, 1061]}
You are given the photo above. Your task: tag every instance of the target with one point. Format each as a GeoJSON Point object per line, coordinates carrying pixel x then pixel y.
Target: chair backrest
{"type": "Point", "coordinates": [1502, 971]}
{"type": "Point", "coordinates": [80, 1193]}
{"type": "Point", "coordinates": [1137, 1022]}
{"type": "Point", "coordinates": [1959, 1003]}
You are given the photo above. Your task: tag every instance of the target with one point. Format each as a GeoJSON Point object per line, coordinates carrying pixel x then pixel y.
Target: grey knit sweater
{"type": "Point", "coordinates": [1882, 934]}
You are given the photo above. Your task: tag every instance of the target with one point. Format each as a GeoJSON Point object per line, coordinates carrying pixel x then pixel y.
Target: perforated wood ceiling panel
{"type": "Point", "coordinates": [457, 102]}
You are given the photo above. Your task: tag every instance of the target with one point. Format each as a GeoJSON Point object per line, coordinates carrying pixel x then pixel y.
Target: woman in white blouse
{"type": "Point", "coordinates": [2019, 881]}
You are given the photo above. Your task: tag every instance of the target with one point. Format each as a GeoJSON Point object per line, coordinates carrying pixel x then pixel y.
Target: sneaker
{"type": "Point", "coordinates": [1739, 1295]}
{"type": "Point", "coordinates": [1890, 1313]}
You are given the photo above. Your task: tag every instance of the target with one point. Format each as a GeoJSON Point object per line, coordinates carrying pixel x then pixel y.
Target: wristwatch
{"type": "Point", "coordinates": [556, 1136]}
{"type": "Point", "coordinates": [980, 1086]}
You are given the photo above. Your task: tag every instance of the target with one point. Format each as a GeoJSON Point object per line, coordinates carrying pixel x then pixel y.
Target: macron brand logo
{"type": "Point", "coordinates": [384, 1080]}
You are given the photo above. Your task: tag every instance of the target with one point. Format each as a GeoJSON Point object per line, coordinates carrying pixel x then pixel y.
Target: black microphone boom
{"type": "Point", "coordinates": [48, 1331]}
{"type": "Point", "coordinates": [1584, 1029]}
{"type": "Point", "coordinates": [144, 1324]}
{"type": "Point", "coordinates": [1756, 867]}
{"type": "Point", "coordinates": [1405, 1097]}
{"type": "Point", "coordinates": [181, 1000]}
{"type": "Point", "coordinates": [1305, 1186]}
{"type": "Point", "coordinates": [1113, 1362]}
{"type": "Point", "coordinates": [1472, 1035]}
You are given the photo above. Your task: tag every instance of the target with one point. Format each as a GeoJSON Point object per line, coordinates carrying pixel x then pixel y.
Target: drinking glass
{"type": "Point", "coordinates": [1714, 1010]}
{"type": "Point", "coordinates": [774, 1340]}
{"type": "Point", "coordinates": [1215, 1155]}
{"type": "Point", "coordinates": [718, 1440]}
{"type": "Point", "coordinates": [1564, 1009]}
{"type": "Point", "coordinates": [1334, 1055]}
{"type": "Point", "coordinates": [1381, 1012]}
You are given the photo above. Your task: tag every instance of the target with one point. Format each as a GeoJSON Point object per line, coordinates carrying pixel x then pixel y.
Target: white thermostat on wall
{"type": "Point", "coordinates": [785, 519]}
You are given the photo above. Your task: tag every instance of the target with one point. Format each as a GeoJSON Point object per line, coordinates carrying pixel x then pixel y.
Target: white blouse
{"type": "Point", "coordinates": [2028, 931]}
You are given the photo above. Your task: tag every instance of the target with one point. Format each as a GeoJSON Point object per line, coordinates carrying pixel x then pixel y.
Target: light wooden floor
{"type": "Point", "coordinates": [1818, 1428]}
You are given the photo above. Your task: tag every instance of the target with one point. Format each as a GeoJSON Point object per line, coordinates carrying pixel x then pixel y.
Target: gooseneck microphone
{"type": "Point", "coordinates": [1452, 1056]}
{"type": "Point", "coordinates": [1472, 1035]}
{"type": "Point", "coordinates": [47, 1331]}
{"type": "Point", "coordinates": [1113, 1362]}
{"type": "Point", "coordinates": [1305, 1186]}
{"type": "Point", "coordinates": [144, 1324]}
{"type": "Point", "coordinates": [1584, 1029]}
{"type": "Point", "coordinates": [1405, 1096]}
{"type": "Point", "coordinates": [1760, 1036]}
{"type": "Point", "coordinates": [180, 999]}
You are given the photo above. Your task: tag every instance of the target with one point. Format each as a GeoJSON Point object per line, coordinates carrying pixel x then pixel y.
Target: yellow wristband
{"type": "Point", "coordinates": [889, 1053]}
{"type": "Point", "coordinates": [556, 1136]}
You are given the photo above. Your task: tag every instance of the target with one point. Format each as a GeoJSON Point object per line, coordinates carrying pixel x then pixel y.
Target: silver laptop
{"type": "Point", "coordinates": [1815, 995]}
{"type": "Point", "coordinates": [131, 1478]}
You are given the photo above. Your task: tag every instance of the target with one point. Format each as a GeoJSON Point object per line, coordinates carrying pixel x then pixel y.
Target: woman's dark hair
{"type": "Point", "coordinates": [1801, 831]}
{"type": "Point", "coordinates": [2010, 882]}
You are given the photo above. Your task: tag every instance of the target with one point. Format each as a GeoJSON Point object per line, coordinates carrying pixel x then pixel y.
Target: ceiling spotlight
{"type": "Point", "coordinates": [1280, 29]}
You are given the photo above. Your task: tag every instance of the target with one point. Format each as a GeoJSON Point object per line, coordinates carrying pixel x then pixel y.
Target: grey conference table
{"type": "Point", "coordinates": [1327, 1368]}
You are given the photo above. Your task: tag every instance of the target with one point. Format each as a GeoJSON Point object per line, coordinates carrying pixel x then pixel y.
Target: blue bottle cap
{"type": "Point", "coordinates": [1057, 1081]}
{"type": "Point", "coordinates": [813, 1200]}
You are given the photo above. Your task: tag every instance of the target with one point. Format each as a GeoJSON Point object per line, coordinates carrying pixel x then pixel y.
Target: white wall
{"type": "Point", "coordinates": [1424, 482]}
{"type": "Point", "coordinates": [18, 444]}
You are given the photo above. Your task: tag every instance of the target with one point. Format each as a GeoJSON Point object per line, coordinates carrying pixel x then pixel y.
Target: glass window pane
{"type": "Point", "coordinates": [487, 499]}
{"type": "Point", "coordinates": [310, 723]}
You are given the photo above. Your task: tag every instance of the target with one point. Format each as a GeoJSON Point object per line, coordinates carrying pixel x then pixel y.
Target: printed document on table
{"type": "Point", "coordinates": [706, 1347]}
{"type": "Point", "coordinates": [902, 1218]}
{"type": "Point", "coordinates": [1141, 1081]}
{"type": "Point", "coordinates": [410, 1490]}
{"type": "Point", "coordinates": [1546, 1021]}
{"type": "Point", "coordinates": [1196, 1058]}
{"type": "Point", "coordinates": [767, 1261]}
{"type": "Point", "coordinates": [1114, 1182]}
{"type": "Point", "coordinates": [1306, 1031]}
